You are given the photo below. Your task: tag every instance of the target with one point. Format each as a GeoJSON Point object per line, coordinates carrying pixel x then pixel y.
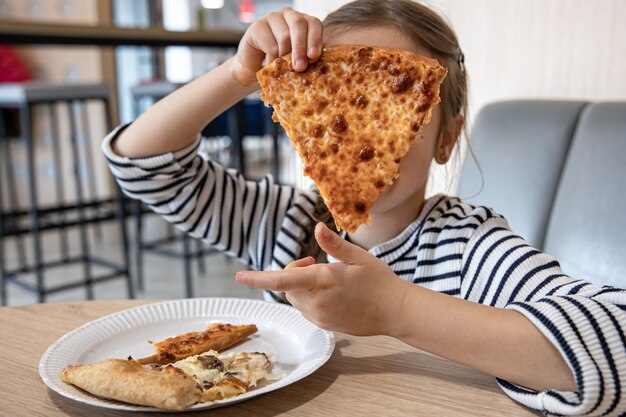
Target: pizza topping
{"type": "Point", "coordinates": [366, 153]}
{"type": "Point", "coordinates": [402, 83]}
{"type": "Point", "coordinates": [224, 376]}
{"type": "Point", "coordinates": [339, 124]}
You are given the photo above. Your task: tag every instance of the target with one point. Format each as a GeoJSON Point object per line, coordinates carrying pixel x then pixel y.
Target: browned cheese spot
{"type": "Point", "coordinates": [339, 124]}
{"type": "Point", "coordinates": [361, 101]}
{"type": "Point", "coordinates": [317, 131]}
{"type": "Point", "coordinates": [321, 104]}
{"type": "Point", "coordinates": [333, 148]}
{"type": "Point", "coordinates": [366, 153]}
{"type": "Point", "coordinates": [322, 68]}
{"type": "Point", "coordinates": [384, 64]}
{"type": "Point", "coordinates": [379, 184]}
{"type": "Point", "coordinates": [424, 105]}
{"type": "Point", "coordinates": [365, 53]}
{"type": "Point", "coordinates": [415, 126]}
{"type": "Point", "coordinates": [360, 208]}
{"type": "Point", "coordinates": [393, 70]}
{"type": "Point", "coordinates": [402, 83]}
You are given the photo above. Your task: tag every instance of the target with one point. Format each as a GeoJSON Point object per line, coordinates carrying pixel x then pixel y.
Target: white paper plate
{"type": "Point", "coordinates": [296, 346]}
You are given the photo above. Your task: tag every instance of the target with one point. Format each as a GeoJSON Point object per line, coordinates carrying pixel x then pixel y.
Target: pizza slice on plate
{"type": "Point", "coordinates": [181, 373]}
{"type": "Point", "coordinates": [217, 336]}
{"type": "Point", "coordinates": [352, 116]}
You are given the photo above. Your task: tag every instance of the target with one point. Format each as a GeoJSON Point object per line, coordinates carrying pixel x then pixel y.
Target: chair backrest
{"type": "Point", "coordinates": [521, 147]}
{"type": "Point", "coordinates": [587, 230]}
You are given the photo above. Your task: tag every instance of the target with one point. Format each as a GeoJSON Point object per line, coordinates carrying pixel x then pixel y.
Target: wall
{"type": "Point", "coordinates": [570, 49]}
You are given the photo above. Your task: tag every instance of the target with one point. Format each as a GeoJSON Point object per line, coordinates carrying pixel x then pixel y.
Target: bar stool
{"type": "Point", "coordinates": [144, 95]}
{"type": "Point", "coordinates": [85, 211]}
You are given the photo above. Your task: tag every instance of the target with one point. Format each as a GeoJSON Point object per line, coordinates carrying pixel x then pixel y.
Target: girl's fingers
{"type": "Point", "coordinates": [314, 38]}
{"type": "Point", "coordinates": [265, 41]}
{"type": "Point", "coordinates": [298, 29]}
{"type": "Point", "coordinates": [280, 30]}
{"type": "Point", "coordinates": [285, 280]}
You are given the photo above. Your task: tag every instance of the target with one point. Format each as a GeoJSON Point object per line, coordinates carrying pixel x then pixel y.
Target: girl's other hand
{"type": "Point", "coordinates": [361, 295]}
{"type": "Point", "coordinates": [277, 34]}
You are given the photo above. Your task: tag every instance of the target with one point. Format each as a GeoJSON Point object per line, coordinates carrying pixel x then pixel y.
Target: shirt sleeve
{"type": "Point", "coordinates": [586, 322]}
{"type": "Point", "coordinates": [206, 200]}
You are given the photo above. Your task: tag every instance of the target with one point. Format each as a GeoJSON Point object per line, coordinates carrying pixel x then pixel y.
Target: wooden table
{"type": "Point", "coordinates": [13, 32]}
{"type": "Point", "coordinates": [364, 376]}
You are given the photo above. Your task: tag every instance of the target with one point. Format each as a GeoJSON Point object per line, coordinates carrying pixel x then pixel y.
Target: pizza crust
{"type": "Point", "coordinates": [129, 381]}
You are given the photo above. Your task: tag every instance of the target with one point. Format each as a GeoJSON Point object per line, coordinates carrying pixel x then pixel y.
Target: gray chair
{"type": "Point", "coordinates": [587, 230]}
{"type": "Point", "coordinates": [556, 171]}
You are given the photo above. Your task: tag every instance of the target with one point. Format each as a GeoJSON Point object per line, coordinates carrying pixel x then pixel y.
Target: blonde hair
{"type": "Point", "coordinates": [422, 26]}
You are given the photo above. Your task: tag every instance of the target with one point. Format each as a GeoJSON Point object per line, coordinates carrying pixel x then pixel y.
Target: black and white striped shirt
{"type": "Point", "coordinates": [452, 247]}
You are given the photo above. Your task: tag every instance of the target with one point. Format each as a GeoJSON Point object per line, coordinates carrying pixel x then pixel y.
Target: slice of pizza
{"type": "Point", "coordinates": [217, 336]}
{"type": "Point", "coordinates": [206, 377]}
{"type": "Point", "coordinates": [352, 116]}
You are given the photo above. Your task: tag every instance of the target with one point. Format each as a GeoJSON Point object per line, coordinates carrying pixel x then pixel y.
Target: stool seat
{"type": "Point", "coordinates": [41, 92]}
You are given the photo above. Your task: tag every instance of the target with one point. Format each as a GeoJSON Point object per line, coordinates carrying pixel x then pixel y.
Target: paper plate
{"type": "Point", "coordinates": [296, 346]}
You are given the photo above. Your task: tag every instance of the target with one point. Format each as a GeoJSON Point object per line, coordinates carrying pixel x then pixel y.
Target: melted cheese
{"type": "Point", "coordinates": [247, 367]}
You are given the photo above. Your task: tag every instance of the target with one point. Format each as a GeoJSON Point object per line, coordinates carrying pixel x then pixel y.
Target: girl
{"type": "Point", "coordinates": [484, 298]}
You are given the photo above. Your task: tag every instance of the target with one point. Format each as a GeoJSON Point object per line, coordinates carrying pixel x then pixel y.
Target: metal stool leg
{"type": "Point", "coordinates": [138, 215]}
{"type": "Point", "coordinates": [11, 206]}
{"type": "Point", "coordinates": [121, 215]}
{"type": "Point", "coordinates": [91, 178]}
{"type": "Point", "coordinates": [187, 267]}
{"type": "Point", "coordinates": [235, 130]}
{"type": "Point", "coordinates": [80, 204]}
{"type": "Point", "coordinates": [59, 188]}
{"type": "Point", "coordinates": [25, 125]}
{"type": "Point", "coordinates": [200, 256]}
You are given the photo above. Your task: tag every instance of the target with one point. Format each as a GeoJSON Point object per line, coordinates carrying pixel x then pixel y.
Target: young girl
{"type": "Point", "coordinates": [484, 297]}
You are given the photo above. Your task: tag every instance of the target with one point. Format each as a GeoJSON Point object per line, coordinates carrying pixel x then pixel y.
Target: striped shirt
{"type": "Point", "coordinates": [452, 247]}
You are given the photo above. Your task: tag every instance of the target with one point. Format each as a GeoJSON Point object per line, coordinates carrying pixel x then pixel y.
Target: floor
{"type": "Point", "coordinates": [163, 275]}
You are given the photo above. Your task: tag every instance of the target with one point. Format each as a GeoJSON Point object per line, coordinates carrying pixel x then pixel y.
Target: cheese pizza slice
{"type": "Point", "coordinates": [217, 336]}
{"type": "Point", "coordinates": [352, 116]}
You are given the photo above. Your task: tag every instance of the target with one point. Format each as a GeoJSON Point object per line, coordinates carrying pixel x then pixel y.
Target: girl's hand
{"type": "Point", "coordinates": [360, 295]}
{"type": "Point", "coordinates": [277, 34]}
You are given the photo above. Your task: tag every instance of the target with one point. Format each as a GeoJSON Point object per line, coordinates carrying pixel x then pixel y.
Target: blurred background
{"type": "Point", "coordinates": [59, 205]}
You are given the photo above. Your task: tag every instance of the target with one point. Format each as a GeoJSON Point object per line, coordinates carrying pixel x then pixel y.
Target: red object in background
{"type": "Point", "coordinates": [12, 68]}
{"type": "Point", "coordinates": [246, 11]}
